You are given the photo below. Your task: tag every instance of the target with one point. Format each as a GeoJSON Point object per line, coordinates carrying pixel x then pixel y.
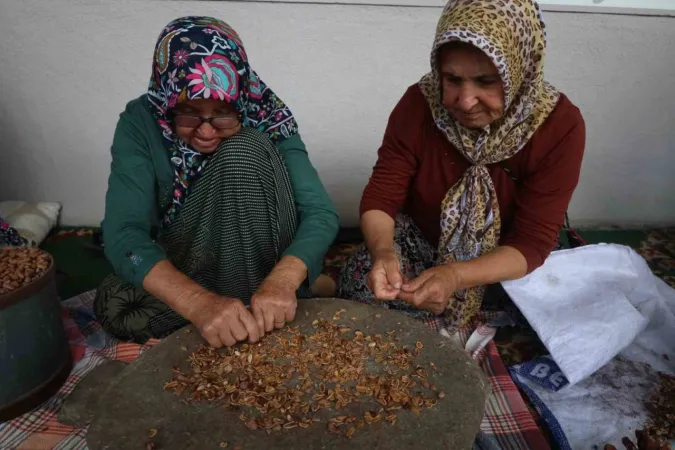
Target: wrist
{"type": "Point", "coordinates": [195, 301]}
{"type": "Point", "coordinates": [278, 283]}
{"type": "Point", "coordinates": [455, 276]}
{"type": "Point", "coordinates": [382, 252]}
{"type": "Point", "coordinates": [287, 275]}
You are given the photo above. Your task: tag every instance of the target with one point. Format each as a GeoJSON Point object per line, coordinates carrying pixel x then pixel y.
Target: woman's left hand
{"type": "Point", "coordinates": [274, 304]}
{"type": "Point", "coordinates": [432, 290]}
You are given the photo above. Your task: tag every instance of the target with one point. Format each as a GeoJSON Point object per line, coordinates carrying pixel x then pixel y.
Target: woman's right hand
{"type": "Point", "coordinates": [385, 278]}
{"type": "Point", "coordinates": [224, 321]}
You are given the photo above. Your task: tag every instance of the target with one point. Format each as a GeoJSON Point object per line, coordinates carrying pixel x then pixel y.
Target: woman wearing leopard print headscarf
{"type": "Point", "coordinates": [475, 173]}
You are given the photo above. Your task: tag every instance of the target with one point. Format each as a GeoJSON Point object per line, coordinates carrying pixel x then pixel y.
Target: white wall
{"type": "Point", "coordinates": [67, 68]}
{"type": "Point", "coordinates": [640, 7]}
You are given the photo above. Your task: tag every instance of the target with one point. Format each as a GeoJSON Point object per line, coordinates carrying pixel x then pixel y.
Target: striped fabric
{"type": "Point", "coordinates": [238, 220]}
{"type": "Point", "coordinates": [507, 419]}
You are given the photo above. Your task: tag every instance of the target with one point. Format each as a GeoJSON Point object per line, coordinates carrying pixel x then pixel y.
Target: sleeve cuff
{"type": "Point", "coordinates": [371, 205]}
{"type": "Point", "coordinates": [135, 264]}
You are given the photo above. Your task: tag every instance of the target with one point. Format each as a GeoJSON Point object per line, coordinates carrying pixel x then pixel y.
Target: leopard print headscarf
{"type": "Point", "coordinates": [512, 34]}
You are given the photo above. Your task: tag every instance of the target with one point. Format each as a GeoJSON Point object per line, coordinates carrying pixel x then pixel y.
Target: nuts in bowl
{"type": "Point", "coordinates": [20, 266]}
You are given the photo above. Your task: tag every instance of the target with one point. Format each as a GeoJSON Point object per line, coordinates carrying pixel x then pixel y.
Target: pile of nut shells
{"type": "Point", "coordinates": [292, 380]}
{"type": "Point", "coordinates": [660, 426]}
{"type": "Point", "coordinates": [642, 442]}
{"type": "Point", "coordinates": [21, 265]}
{"type": "Point", "coordinates": [661, 408]}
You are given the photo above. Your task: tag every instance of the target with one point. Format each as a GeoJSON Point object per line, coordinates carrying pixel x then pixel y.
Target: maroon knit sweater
{"type": "Point", "coordinates": [417, 165]}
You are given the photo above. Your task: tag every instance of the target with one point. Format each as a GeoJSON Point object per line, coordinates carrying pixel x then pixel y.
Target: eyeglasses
{"type": "Point", "coordinates": [219, 122]}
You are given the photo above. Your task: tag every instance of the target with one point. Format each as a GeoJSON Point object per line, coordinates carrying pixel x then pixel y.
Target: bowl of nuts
{"type": "Point", "coordinates": [34, 352]}
{"type": "Point", "coordinates": [20, 267]}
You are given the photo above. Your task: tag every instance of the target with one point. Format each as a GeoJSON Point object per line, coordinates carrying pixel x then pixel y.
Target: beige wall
{"type": "Point", "coordinates": [67, 69]}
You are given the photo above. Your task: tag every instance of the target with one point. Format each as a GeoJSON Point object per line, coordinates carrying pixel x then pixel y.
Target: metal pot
{"type": "Point", "coordinates": [35, 358]}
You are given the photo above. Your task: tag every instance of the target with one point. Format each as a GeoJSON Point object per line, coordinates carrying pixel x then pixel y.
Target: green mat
{"type": "Point", "coordinates": [631, 238]}
{"type": "Point", "coordinates": [80, 267]}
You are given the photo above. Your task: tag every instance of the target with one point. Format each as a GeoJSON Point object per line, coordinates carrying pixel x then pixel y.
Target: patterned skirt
{"type": "Point", "coordinates": [231, 231]}
{"type": "Point", "coordinates": [414, 252]}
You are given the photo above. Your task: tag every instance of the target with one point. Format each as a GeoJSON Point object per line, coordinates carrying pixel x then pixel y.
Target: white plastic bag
{"type": "Point", "coordinates": [584, 304]}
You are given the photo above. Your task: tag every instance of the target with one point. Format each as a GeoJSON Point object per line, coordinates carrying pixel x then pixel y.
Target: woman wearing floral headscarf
{"type": "Point", "coordinates": [212, 201]}
{"type": "Point", "coordinates": [476, 170]}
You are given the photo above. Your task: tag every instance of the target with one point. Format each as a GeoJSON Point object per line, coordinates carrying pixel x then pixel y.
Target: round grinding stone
{"type": "Point", "coordinates": [136, 402]}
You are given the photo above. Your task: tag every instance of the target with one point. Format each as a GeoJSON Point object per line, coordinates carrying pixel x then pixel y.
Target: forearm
{"type": "Point", "coordinates": [318, 220]}
{"type": "Point", "coordinates": [289, 272]}
{"type": "Point", "coordinates": [174, 288]}
{"type": "Point", "coordinates": [378, 231]}
{"type": "Point", "coordinates": [501, 264]}
{"type": "Point", "coordinates": [314, 236]}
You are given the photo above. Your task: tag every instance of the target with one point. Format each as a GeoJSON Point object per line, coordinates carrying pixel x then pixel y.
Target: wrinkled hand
{"type": "Point", "coordinates": [644, 442]}
{"type": "Point", "coordinates": [385, 278]}
{"type": "Point", "coordinates": [224, 321]}
{"type": "Point", "coordinates": [274, 304]}
{"type": "Point", "coordinates": [432, 290]}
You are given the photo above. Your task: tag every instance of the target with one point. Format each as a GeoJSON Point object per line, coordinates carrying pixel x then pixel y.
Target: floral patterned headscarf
{"type": "Point", "coordinates": [512, 34]}
{"type": "Point", "coordinates": [202, 58]}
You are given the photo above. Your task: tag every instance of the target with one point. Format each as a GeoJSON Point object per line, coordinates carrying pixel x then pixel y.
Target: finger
{"type": "Point", "coordinates": [212, 337]}
{"type": "Point", "coordinates": [385, 292]}
{"type": "Point", "coordinates": [431, 298]}
{"type": "Point", "coordinates": [269, 319]}
{"type": "Point", "coordinates": [373, 279]}
{"type": "Point", "coordinates": [422, 297]}
{"type": "Point", "coordinates": [279, 318]}
{"type": "Point", "coordinates": [290, 311]}
{"type": "Point", "coordinates": [433, 307]}
{"type": "Point", "coordinates": [226, 337]}
{"type": "Point", "coordinates": [251, 325]}
{"type": "Point", "coordinates": [259, 319]}
{"type": "Point", "coordinates": [416, 283]}
{"type": "Point", "coordinates": [420, 301]}
{"type": "Point", "coordinates": [406, 296]}
{"type": "Point", "coordinates": [237, 328]}
{"type": "Point", "coordinates": [381, 287]}
{"type": "Point", "coordinates": [419, 295]}
{"type": "Point", "coordinates": [393, 271]}
{"type": "Point", "coordinates": [440, 302]}
{"type": "Point", "coordinates": [369, 281]}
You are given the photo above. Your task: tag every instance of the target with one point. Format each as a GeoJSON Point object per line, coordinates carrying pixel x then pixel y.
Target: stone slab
{"type": "Point", "coordinates": [136, 402]}
{"type": "Point", "coordinates": [78, 408]}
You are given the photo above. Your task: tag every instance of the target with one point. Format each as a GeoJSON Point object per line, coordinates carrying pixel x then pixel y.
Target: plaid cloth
{"type": "Point", "coordinates": [507, 418]}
